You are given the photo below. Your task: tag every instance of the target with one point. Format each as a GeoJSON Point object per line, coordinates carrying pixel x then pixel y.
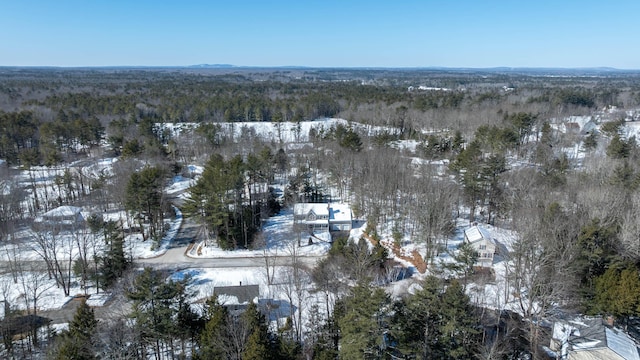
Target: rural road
{"type": "Point", "coordinates": [173, 259]}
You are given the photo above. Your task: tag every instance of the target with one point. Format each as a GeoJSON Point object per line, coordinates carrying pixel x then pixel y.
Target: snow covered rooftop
{"type": "Point", "coordinates": [335, 211]}
{"type": "Point", "coordinates": [241, 294]}
{"type": "Point", "coordinates": [476, 233]}
{"type": "Point", "coordinates": [621, 344]}
{"type": "Point", "coordinates": [320, 209]}
{"type": "Point", "coordinates": [340, 212]}
{"type": "Point", "coordinates": [62, 211]}
{"type": "Point", "coordinates": [587, 334]}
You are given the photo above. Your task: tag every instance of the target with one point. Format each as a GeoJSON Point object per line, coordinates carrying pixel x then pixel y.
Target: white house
{"type": "Point", "coordinates": [319, 217]}
{"type": "Point", "coordinates": [62, 217]}
{"type": "Point", "coordinates": [481, 241]}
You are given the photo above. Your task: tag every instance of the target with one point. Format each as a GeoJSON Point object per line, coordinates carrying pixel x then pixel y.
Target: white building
{"type": "Point", "coordinates": [481, 241]}
{"type": "Point", "coordinates": [319, 217]}
{"type": "Point", "coordinates": [62, 217]}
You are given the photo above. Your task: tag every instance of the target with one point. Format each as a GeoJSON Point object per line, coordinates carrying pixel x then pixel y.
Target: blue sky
{"type": "Point", "coordinates": [330, 33]}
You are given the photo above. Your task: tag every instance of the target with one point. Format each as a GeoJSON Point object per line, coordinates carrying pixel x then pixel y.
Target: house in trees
{"type": "Point", "coordinates": [61, 218]}
{"type": "Point", "coordinates": [590, 338]}
{"type": "Point", "coordinates": [481, 241]}
{"type": "Point", "coordinates": [322, 217]}
{"type": "Point", "coordinates": [256, 192]}
{"type": "Point", "coordinates": [237, 298]}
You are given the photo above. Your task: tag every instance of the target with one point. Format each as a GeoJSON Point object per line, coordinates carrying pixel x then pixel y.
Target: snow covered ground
{"type": "Point", "coordinates": [280, 239]}
{"type": "Point", "coordinates": [278, 234]}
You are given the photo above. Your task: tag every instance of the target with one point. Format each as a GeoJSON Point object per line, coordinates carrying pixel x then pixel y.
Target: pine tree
{"type": "Point", "coordinates": [617, 292]}
{"type": "Point", "coordinates": [154, 307]}
{"type": "Point", "coordinates": [144, 199]}
{"type": "Point", "coordinates": [459, 326]}
{"type": "Point", "coordinates": [595, 251]}
{"type": "Point", "coordinates": [619, 148]}
{"type": "Point", "coordinates": [77, 342]}
{"type": "Point", "coordinates": [114, 262]}
{"type": "Point", "coordinates": [590, 142]}
{"type": "Point", "coordinates": [435, 323]}
{"type": "Point", "coordinates": [416, 323]}
{"type": "Point", "coordinates": [465, 258]}
{"type": "Point", "coordinates": [363, 323]}
{"type": "Point", "coordinates": [214, 334]}
{"type": "Point", "coordinates": [84, 322]}
{"type": "Point", "coordinates": [257, 345]}
{"type": "Point", "coordinates": [627, 301]}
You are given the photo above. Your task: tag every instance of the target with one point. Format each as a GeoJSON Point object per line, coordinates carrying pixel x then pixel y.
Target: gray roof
{"type": "Point", "coordinates": [586, 334]}
{"type": "Point", "coordinates": [621, 344]}
{"type": "Point", "coordinates": [244, 293]}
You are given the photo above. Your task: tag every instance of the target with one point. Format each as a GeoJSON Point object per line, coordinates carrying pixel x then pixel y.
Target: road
{"type": "Point", "coordinates": [173, 259]}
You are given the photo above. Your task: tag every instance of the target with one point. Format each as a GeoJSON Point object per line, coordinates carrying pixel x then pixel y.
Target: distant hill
{"type": "Point", "coordinates": [211, 66]}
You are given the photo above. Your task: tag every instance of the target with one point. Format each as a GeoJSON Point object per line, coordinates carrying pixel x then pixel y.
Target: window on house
{"type": "Point", "coordinates": [483, 247]}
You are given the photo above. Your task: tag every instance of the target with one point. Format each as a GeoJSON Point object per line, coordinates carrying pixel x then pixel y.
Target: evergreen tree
{"type": "Point", "coordinates": [144, 198]}
{"type": "Point", "coordinates": [465, 258]}
{"type": "Point", "coordinates": [595, 252]}
{"type": "Point", "coordinates": [617, 292]}
{"type": "Point", "coordinates": [258, 344]}
{"type": "Point", "coordinates": [417, 323]}
{"type": "Point", "coordinates": [154, 307]}
{"type": "Point", "coordinates": [435, 323]}
{"type": "Point", "coordinates": [459, 325]}
{"type": "Point", "coordinates": [77, 342]}
{"type": "Point", "coordinates": [619, 148]}
{"type": "Point", "coordinates": [114, 262]}
{"type": "Point", "coordinates": [363, 323]}
{"type": "Point", "coordinates": [523, 124]}
{"type": "Point", "coordinates": [218, 201]}
{"type": "Point", "coordinates": [590, 142]}
{"type": "Point", "coordinates": [214, 335]}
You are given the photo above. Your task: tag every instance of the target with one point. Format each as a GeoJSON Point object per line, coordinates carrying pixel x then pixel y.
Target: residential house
{"type": "Point", "coordinates": [322, 217]}
{"type": "Point", "coordinates": [481, 241]}
{"type": "Point", "coordinates": [61, 218]}
{"type": "Point", "coordinates": [237, 298]}
{"type": "Point", "coordinates": [590, 338]}
{"type": "Point", "coordinates": [256, 191]}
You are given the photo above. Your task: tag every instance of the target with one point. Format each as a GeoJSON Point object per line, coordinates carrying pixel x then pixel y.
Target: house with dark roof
{"type": "Point", "coordinates": [237, 298]}
{"type": "Point", "coordinates": [590, 338]}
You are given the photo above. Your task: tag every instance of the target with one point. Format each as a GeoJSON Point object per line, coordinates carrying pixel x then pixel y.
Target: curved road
{"type": "Point", "coordinates": [175, 257]}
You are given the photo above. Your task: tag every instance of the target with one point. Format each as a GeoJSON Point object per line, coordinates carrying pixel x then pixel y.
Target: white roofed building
{"type": "Point", "coordinates": [62, 217]}
{"type": "Point", "coordinates": [322, 217]}
{"type": "Point", "coordinates": [481, 241]}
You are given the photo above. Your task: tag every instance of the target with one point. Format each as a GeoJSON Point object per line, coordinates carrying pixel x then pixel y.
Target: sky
{"type": "Point", "coordinates": [329, 33]}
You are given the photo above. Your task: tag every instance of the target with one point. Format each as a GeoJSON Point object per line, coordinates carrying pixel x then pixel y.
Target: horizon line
{"type": "Point", "coordinates": [359, 67]}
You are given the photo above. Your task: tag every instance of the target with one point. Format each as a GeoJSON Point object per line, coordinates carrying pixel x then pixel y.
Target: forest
{"type": "Point", "coordinates": [549, 157]}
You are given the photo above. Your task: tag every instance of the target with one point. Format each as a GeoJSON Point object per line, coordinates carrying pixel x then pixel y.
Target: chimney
{"type": "Point", "coordinates": [609, 320]}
